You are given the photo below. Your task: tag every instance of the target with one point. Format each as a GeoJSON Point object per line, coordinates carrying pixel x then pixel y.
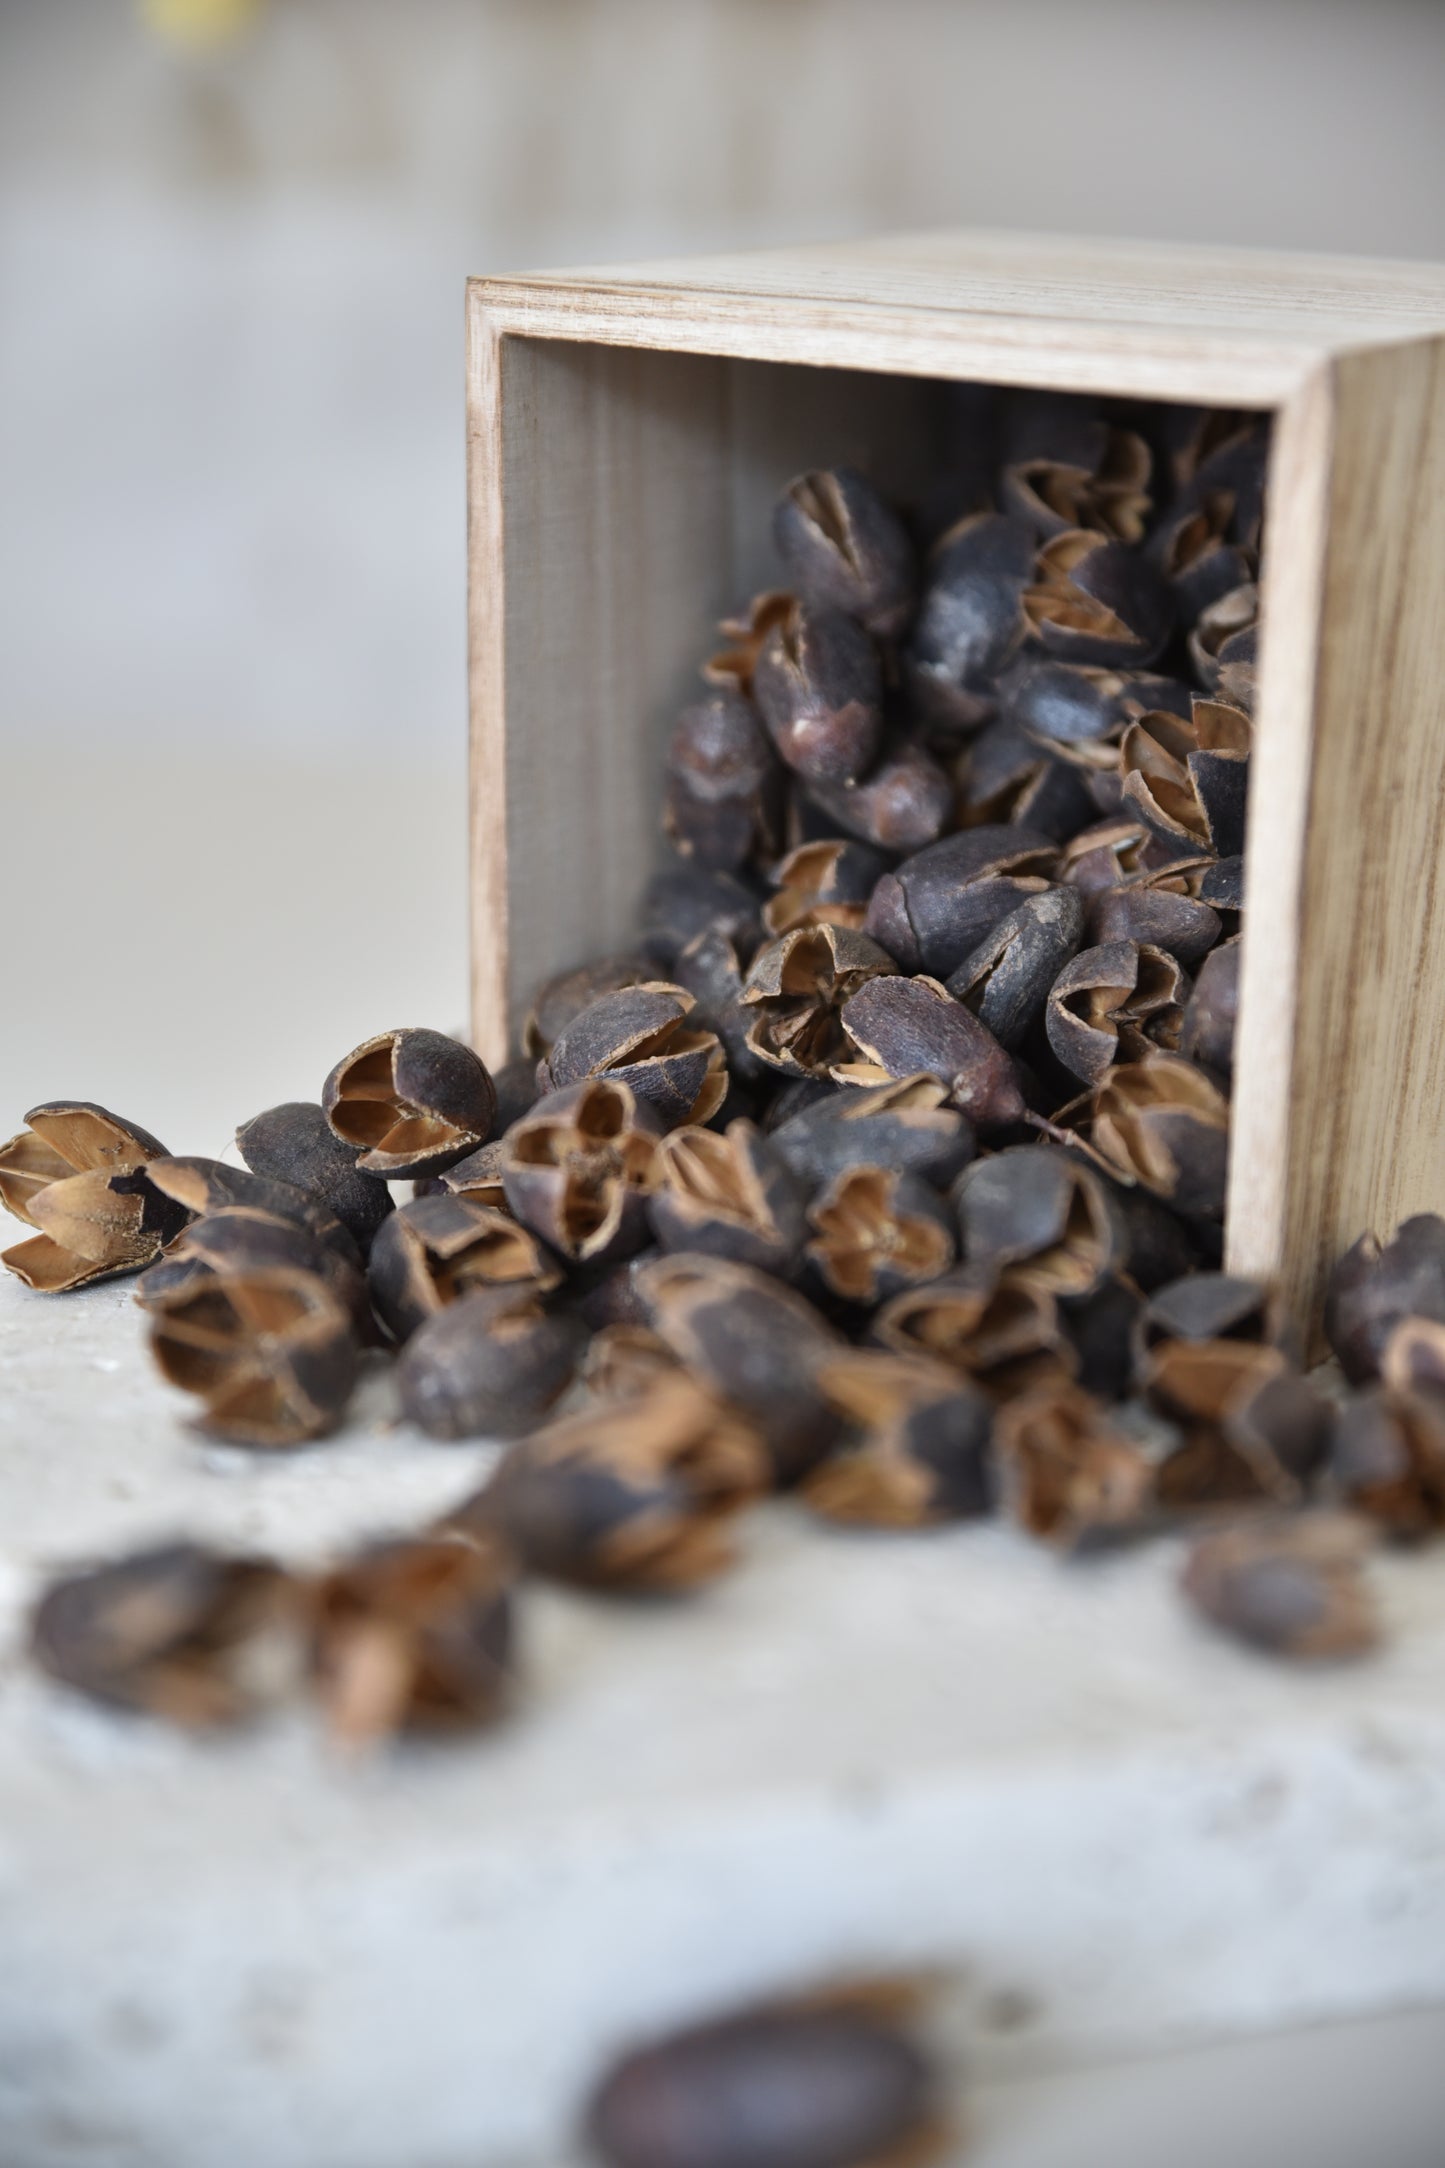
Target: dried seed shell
{"type": "Point", "coordinates": [413, 1101]}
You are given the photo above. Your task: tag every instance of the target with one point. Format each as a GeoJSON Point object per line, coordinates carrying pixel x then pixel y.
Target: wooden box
{"type": "Point", "coordinates": [628, 429]}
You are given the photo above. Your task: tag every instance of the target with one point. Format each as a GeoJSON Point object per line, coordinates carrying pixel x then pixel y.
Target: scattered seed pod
{"type": "Point", "coordinates": [905, 802]}
{"type": "Point", "coordinates": [1043, 1214]}
{"type": "Point", "coordinates": [845, 549]}
{"type": "Point", "coordinates": [970, 621]}
{"type": "Point", "coordinates": [437, 1249]}
{"type": "Point", "coordinates": [1093, 600]}
{"type": "Point", "coordinates": [625, 1360]}
{"type": "Point", "coordinates": [577, 1170]}
{"type": "Point", "coordinates": [1163, 1123]}
{"type": "Point", "coordinates": [1414, 1357]}
{"type": "Point", "coordinates": [1068, 1473]}
{"type": "Point", "coordinates": [1115, 1004]}
{"type": "Point", "coordinates": [1080, 713]}
{"type": "Point", "coordinates": [412, 1101]}
{"type": "Point", "coordinates": [488, 1365]}
{"type": "Point", "coordinates": [1007, 776]}
{"type": "Point", "coordinates": [876, 1232]}
{"type": "Point", "coordinates": [479, 1175]}
{"type": "Point", "coordinates": [556, 1003]}
{"type": "Point", "coordinates": [1004, 1333]}
{"type": "Point", "coordinates": [1372, 1288]}
{"type": "Point", "coordinates": [753, 1342]}
{"type": "Point", "coordinates": [1152, 909]}
{"type": "Point", "coordinates": [823, 884]}
{"type": "Point", "coordinates": [723, 799]}
{"type": "Point", "coordinates": [1007, 980]}
{"type": "Point", "coordinates": [240, 1239]}
{"type": "Point", "coordinates": [516, 1087]}
{"type": "Point", "coordinates": [414, 1635]}
{"type": "Point", "coordinates": [907, 1125]}
{"type": "Point", "coordinates": [818, 683]}
{"type": "Point", "coordinates": [684, 902]}
{"type": "Point", "coordinates": [1387, 1460]}
{"type": "Point", "coordinates": [641, 1037]}
{"type": "Point", "coordinates": [1108, 853]}
{"type": "Point", "coordinates": [815, 2085]}
{"type": "Point", "coordinates": [634, 1494]}
{"type": "Point", "coordinates": [727, 1196]}
{"type": "Point", "coordinates": [1214, 1306]}
{"type": "Point", "coordinates": [1103, 1327]}
{"type": "Point", "coordinates": [1212, 1010]}
{"type": "Point", "coordinates": [931, 913]}
{"type": "Point", "coordinates": [1189, 781]}
{"type": "Point", "coordinates": [901, 1026]}
{"type": "Point", "coordinates": [796, 990]}
{"type": "Point", "coordinates": [710, 969]}
{"type": "Point", "coordinates": [1199, 554]}
{"type": "Point", "coordinates": [205, 1187]}
{"type": "Point", "coordinates": [78, 1175]}
{"type": "Point", "coordinates": [1252, 1426]}
{"type": "Point", "coordinates": [1093, 476]}
{"type": "Point", "coordinates": [921, 1449]}
{"type": "Point", "coordinates": [1223, 646]}
{"type": "Point", "coordinates": [294, 1143]}
{"type": "Point", "coordinates": [177, 1632]}
{"type": "Point", "coordinates": [1293, 1585]}
{"type": "Point", "coordinates": [271, 1354]}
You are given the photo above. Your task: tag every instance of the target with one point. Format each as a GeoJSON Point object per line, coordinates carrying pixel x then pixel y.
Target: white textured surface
{"type": "Point", "coordinates": [1113, 1831]}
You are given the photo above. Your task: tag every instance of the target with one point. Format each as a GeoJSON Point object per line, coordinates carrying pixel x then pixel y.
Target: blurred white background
{"type": "Point", "coordinates": [232, 244]}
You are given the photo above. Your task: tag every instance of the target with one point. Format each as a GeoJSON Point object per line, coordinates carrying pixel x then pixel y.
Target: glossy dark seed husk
{"type": "Point", "coordinates": [294, 1143]}
{"type": "Point", "coordinates": [413, 1101]}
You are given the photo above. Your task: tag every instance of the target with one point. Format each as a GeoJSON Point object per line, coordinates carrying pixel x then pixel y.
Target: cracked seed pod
{"type": "Point", "coordinates": [827, 883]}
{"type": "Point", "coordinates": [1212, 1011]}
{"type": "Point", "coordinates": [901, 1026]}
{"type": "Point", "coordinates": [636, 1494]}
{"type": "Point", "coordinates": [1157, 910]}
{"type": "Point", "coordinates": [578, 1168]}
{"type": "Point", "coordinates": [746, 635]}
{"type": "Point", "coordinates": [1045, 1216]}
{"type": "Point", "coordinates": [641, 1037]}
{"type": "Point", "coordinates": [1289, 1583]}
{"type": "Point", "coordinates": [1068, 1473]}
{"type": "Point", "coordinates": [1189, 436]}
{"type": "Point", "coordinates": [846, 549]}
{"type": "Point", "coordinates": [818, 2084]}
{"type": "Point", "coordinates": [1199, 553]}
{"type": "Point", "coordinates": [625, 1360]}
{"type": "Point", "coordinates": [1007, 776]}
{"type": "Point", "coordinates": [921, 1446]}
{"type": "Point", "coordinates": [1103, 1327]}
{"type": "Point", "coordinates": [796, 990]}
{"type": "Point", "coordinates": [78, 1175]}
{"type": "Point", "coordinates": [1223, 646]}
{"type": "Point", "coordinates": [932, 912]}
{"type": "Point", "coordinates": [970, 621]}
{"type": "Point", "coordinates": [1252, 1426]}
{"type": "Point", "coordinates": [1108, 853]}
{"type": "Point", "coordinates": [752, 1341]}
{"type": "Point", "coordinates": [607, 1294]}
{"type": "Point", "coordinates": [437, 1249]}
{"type": "Point", "coordinates": [208, 1186]}
{"type": "Point", "coordinates": [906, 1125]}
{"type": "Point", "coordinates": [710, 969]}
{"type": "Point", "coordinates": [413, 1634]}
{"type": "Point", "coordinates": [1115, 1004]}
{"type": "Point", "coordinates": [240, 1239]}
{"type": "Point", "coordinates": [818, 684]}
{"type": "Point", "coordinates": [1164, 1123]}
{"type": "Point", "coordinates": [727, 1196]}
{"type": "Point", "coordinates": [479, 1175]}
{"type": "Point", "coordinates": [1373, 1287]}
{"type": "Point", "coordinates": [517, 1094]}
{"type": "Point", "coordinates": [905, 802]}
{"type": "Point", "coordinates": [271, 1354]}
{"type": "Point", "coordinates": [175, 1631]}
{"type": "Point", "coordinates": [1215, 1306]}
{"type": "Point", "coordinates": [1004, 1333]}
{"type": "Point", "coordinates": [488, 1365]}
{"type": "Point", "coordinates": [412, 1101]}
{"type": "Point", "coordinates": [1092, 600]}
{"type": "Point", "coordinates": [1080, 713]}
{"type": "Point", "coordinates": [1086, 473]}
{"type": "Point", "coordinates": [686, 901]}
{"type": "Point", "coordinates": [1414, 1358]}
{"type": "Point", "coordinates": [1190, 780]}
{"type": "Point", "coordinates": [1387, 1460]}
{"type": "Point", "coordinates": [294, 1143]}
{"type": "Point", "coordinates": [1007, 980]}
{"type": "Point", "coordinates": [876, 1232]}
{"type": "Point", "coordinates": [562, 998]}
{"type": "Point", "coordinates": [723, 792]}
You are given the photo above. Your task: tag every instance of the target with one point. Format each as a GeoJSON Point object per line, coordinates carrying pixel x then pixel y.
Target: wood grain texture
{"type": "Point", "coordinates": [629, 428]}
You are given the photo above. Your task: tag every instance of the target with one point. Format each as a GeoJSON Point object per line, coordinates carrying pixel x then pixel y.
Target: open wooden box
{"type": "Point", "coordinates": [628, 430]}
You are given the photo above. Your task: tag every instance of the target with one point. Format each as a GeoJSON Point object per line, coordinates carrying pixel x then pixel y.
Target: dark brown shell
{"type": "Point", "coordinates": [271, 1353]}
{"type": "Point", "coordinates": [1292, 1585]}
{"type": "Point", "coordinates": [578, 1169]}
{"type": "Point", "coordinates": [845, 548]}
{"type": "Point", "coordinates": [818, 683]}
{"type": "Point", "coordinates": [490, 1365]}
{"type": "Point", "coordinates": [727, 1196]}
{"type": "Point", "coordinates": [412, 1101]}
{"type": "Point", "coordinates": [901, 1026]}
{"type": "Point", "coordinates": [294, 1143]}
{"type": "Point", "coordinates": [437, 1249]}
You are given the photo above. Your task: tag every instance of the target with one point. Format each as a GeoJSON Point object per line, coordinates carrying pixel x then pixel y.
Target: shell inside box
{"type": "Point", "coordinates": [629, 430]}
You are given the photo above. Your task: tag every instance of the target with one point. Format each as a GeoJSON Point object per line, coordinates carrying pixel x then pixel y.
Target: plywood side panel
{"type": "Point", "coordinates": [1366, 1137]}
